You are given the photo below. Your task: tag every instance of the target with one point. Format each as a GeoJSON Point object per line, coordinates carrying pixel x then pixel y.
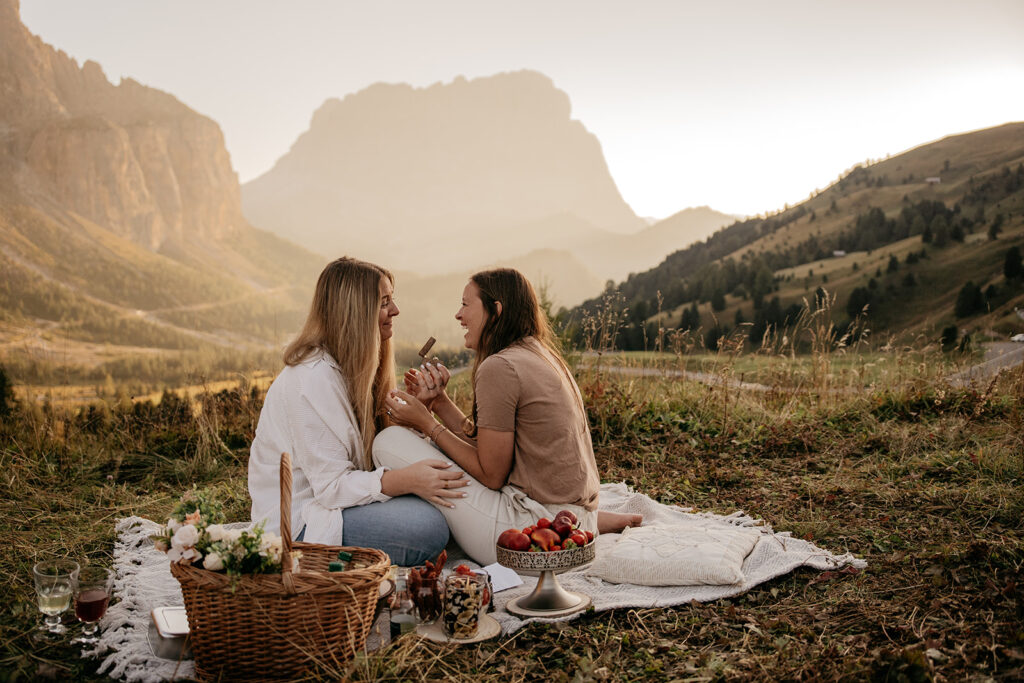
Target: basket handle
{"type": "Point", "coordinates": [286, 522]}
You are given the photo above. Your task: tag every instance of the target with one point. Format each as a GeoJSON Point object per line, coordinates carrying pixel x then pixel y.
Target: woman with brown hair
{"type": "Point", "coordinates": [527, 445]}
{"type": "Point", "coordinates": [325, 407]}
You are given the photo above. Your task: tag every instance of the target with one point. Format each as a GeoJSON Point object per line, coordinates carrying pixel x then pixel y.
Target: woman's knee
{"type": "Point", "coordinates": [397, 447]}
{"type": "Point", "coordinates": [430, 526]}
{"type": "Point", "coordinates": [421, 520]}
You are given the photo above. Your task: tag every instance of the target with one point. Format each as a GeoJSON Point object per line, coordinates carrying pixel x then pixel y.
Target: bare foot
{"type": "Point", "coordinates": [614, 522]}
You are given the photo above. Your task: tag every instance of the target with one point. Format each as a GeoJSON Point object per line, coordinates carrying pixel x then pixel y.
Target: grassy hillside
{"type": "Point", "coordinates": [76, 295]}
{"type": "Point", "coordinates": [955, 230]}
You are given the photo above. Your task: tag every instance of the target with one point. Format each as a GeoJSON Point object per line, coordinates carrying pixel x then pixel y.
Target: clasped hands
{"type": "Point", "coordinates": [412, 408]}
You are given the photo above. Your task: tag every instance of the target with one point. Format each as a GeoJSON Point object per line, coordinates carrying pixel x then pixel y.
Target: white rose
{"type": "Point", "coordinates": [269, 542]}
{"type": "Point", "coordinates": [189, 555]}
{"type": "Point", "coordinates": [232, 535]}
{"type": "Point", "coordinates": [183, 555]}
{"type": "Point", "coordinates": [217, 532]}
{"type": "Point", "coordinates": [185, 537]}
{"type": "Point", "coordinates": [214, 562]}
{"type": "Point", "coordinates": [173, 525]}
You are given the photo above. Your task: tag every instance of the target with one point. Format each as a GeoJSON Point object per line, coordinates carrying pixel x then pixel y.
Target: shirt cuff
{"type": "Point", "coordinates": [377, 496]}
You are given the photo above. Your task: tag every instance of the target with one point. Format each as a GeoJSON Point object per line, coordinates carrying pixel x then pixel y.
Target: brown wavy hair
{"type": "Point", "coordinates": [521, 317]}
{"type": "Point", "coordinates": [343, 321]}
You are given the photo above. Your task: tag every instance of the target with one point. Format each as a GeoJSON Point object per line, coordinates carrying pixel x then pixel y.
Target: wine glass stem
{"type": "Point", "coordinates": [52, 623]}
{"type": "Point", "coordinates": [89, 628]}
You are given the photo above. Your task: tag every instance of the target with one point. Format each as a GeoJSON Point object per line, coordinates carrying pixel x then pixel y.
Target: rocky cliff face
{"type": "Point", "coordinates": [120, 216]}
{"type": "Point", "coordinates": [469, 163]}
{"type": "Point", "coordinates": [130, 158]}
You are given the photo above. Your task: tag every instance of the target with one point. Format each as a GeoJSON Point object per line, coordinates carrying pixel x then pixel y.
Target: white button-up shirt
{"type": "Point", "coordinates": [307, 413]}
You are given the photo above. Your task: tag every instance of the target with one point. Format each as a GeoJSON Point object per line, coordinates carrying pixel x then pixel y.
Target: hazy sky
{"type": "Point", "coordinates": [743, 106]}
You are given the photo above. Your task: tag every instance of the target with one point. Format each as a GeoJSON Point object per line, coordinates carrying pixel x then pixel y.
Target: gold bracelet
{"type": "Point", "coordinates": [436, 432]}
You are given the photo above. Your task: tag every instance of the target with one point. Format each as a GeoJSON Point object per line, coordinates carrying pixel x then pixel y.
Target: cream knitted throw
{"type": "Point", "coordinates": [144, 582]}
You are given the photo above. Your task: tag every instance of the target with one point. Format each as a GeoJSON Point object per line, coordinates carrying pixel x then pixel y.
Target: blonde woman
{"type": "Point", "coordinates": [527, 445]}
{"type": "Point", "coordinates": [325, 408]}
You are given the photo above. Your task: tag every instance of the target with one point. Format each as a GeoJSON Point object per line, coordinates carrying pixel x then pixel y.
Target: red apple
{"type": "Point", "coordinates": [566, 513]}
{"type": "Point", "coordinates": [514, 540]}
{"type": "Point", "coordinates": [543, 523]}
{"type": "Point", "coordinates": [545, 538]}
{"type": "Point", "coordinates": [561, 526]}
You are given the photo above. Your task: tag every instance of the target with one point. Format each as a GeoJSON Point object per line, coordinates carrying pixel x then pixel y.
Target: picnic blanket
{"type": "Point", "coordinates": [143, 581]}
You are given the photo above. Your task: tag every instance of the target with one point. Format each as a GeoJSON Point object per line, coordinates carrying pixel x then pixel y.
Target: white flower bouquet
{"type": "Point", "coordinates": [195, 535]}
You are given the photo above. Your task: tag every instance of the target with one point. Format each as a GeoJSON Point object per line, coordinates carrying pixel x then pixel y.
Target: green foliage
{"type": "Point", "coordinates": [6, 394]}
{"type": "Point", "coordinates": [204, 502]}
{"type": "Point", "coordinates": [969, 301]}
{"type": "Point", "coordinates": [950, 333]}
{"type": "Point", "coordinates": [860, 298]}
{"type": "Point", "coordinates": [1012, 267]}
{"type": "Point", "coordinates": [713, 337]}
{"type": "Point", "coordinates": [996, 227]}
{"type": "Point", "coordinates": [690, 318]}
{"type": "Point", "coordinates": [718, 300]}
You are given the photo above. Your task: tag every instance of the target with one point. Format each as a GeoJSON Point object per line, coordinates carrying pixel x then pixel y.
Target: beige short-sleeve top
{"type": "Point", "coordinates": [523, 389]}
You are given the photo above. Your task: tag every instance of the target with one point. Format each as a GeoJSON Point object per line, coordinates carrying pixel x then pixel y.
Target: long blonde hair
{"type": "Point", "coordinates": [343, 320]}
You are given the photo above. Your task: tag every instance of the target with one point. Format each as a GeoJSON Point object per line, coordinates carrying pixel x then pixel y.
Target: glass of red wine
{"type": "Point", "coordinates": [92, 593]}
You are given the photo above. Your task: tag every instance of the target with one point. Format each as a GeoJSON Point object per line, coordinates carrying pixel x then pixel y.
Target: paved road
{"type": "Point", "coordinates": [998, 356]}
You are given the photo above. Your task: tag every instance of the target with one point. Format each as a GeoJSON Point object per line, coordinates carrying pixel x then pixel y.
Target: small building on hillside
{"type": "Point", "coordinates": [934, 180]}
{"type": "Point", "coordinates": [838, 252]}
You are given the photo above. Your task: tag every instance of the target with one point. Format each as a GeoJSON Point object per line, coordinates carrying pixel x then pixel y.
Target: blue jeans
{"type": "Point", "coordinates": [409, 529]}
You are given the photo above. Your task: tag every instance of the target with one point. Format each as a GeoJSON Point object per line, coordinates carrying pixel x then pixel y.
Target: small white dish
{"type": "Point", "coordinates": [488, 628]}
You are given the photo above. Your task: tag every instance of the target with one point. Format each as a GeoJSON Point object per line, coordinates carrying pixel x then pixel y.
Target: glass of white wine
{"type": "Point", "coordinates": [55, 583]}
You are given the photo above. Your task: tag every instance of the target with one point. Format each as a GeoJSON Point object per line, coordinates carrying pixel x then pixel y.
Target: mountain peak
{"type": "Point", "coordinates": [485, 156]}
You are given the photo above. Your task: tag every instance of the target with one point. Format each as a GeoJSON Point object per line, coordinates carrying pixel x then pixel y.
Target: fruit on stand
{"type": "Point", "coordinates": [514, 539]}
{"type": "Point", "coordinates": [545, 538]}
{"type": "Point", "coordinates": [561, 533]}
{"type": "Point", "coordinates": [561, 526]}
{"type": "Point", "coordinates": [568, 515]}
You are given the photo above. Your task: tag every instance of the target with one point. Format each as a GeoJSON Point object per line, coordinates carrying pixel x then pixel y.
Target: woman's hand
{"type": "Point", "coordinates": [407, 411]}
{"type": "Point", "coordinates": [435, 481]}
{"type": "Point", "coordinates": [428, 383]}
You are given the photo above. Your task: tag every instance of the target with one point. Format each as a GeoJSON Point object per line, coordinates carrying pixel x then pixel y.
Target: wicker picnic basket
{"type": "Point", "coordinates": [266, 626]}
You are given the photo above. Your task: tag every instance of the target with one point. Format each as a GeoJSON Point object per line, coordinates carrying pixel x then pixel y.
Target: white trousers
{"type": "Point", "coordinates": [476, 520]}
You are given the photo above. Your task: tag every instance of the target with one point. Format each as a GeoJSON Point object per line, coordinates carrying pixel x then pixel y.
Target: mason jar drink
{"type": "Point", "coordinates": [463, 599]}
